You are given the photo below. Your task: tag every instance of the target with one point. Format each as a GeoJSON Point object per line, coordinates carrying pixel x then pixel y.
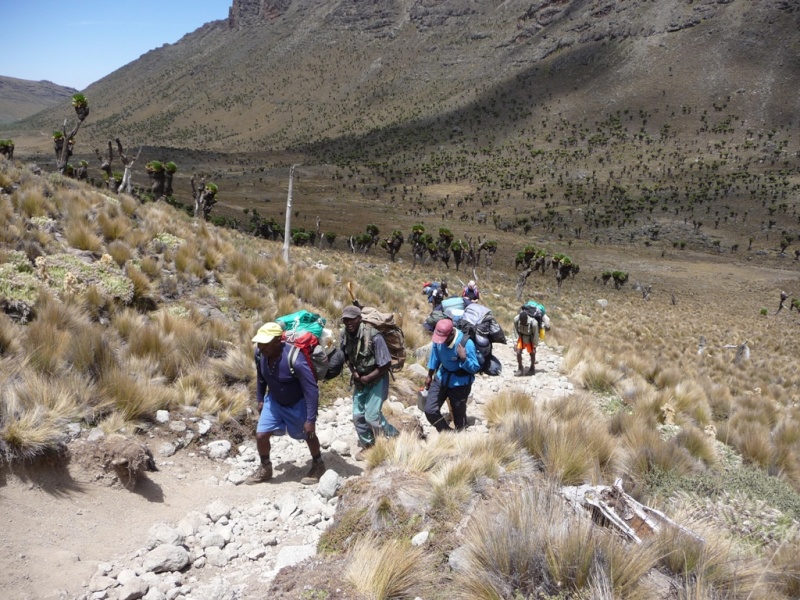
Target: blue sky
{"type": "Point", "coordinates": [76, 42]}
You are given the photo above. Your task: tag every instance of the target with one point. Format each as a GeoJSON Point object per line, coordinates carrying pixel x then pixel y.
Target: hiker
{"type": "Point", "coordinates": [784, 296]}
{"type": "Point", "coordinates": [451, 371]}
{"type": "Point", "coordinates": [526, 329]}
{"type": "Point", "coordinates": [369, 360]}
{"type": "Point", "coordinates": [471, 292]}
{"type": "Point", "coordinates": [290, 406]}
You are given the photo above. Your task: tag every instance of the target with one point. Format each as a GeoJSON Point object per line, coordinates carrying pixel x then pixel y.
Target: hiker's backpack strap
{"type": "Point", "coordinates": [292, 359]}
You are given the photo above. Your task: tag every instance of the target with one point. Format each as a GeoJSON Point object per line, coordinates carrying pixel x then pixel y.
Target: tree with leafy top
{"type": "Point", "coordinates": [63, 142]}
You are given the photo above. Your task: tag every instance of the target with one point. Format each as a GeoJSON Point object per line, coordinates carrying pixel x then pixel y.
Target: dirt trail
{"type": "Point", "coordinates": [60, 524]}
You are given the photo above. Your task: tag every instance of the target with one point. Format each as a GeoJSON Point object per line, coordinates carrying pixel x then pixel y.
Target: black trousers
{"type": "Point", "coordinates": [437, 395]}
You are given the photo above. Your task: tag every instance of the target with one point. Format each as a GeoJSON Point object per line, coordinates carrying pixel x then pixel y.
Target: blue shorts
{"type": "Point", "coordinates": [279, 420]}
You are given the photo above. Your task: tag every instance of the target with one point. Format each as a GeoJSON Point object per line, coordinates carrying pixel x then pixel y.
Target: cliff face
{"type": "Point", "coordinates": [285, 72]}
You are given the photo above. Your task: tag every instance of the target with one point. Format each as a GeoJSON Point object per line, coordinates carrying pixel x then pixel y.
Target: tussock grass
{"type": "Point", "coordinates": [30, 201]}
{"type": "Point", "coordinates": [45, 346]}
{"type": "Point", "coordinates": [126, 322]}
{"type": "Point", "coordinates": [30, 434]}
{"type": "Point", "coordinates": [699, 445]}
{"type": "Point", "coordinates": [9, 336]}
{"type": "Point", "coordinates": [226, 403]}
{"type": "Point", "coordinates": [79, 235]}
{"type": "Point", "coordinates": [752, 440]}
{"type": "Point", "coordinates": [113, 228]}
{"type": "Point", "coordinates": [598, 377]}
{"type": "Point", "coordinates": [786, 568]}
{"type": "Point", "coordinates": [236, 367]}
{"type": "Point", "coordinates": [120, 252]}
{"type": "Point", "coordinates": [91, 352]}
{"type": "Point", "coordinates": [388, 569]}
{"type": "Point", "coordinates": [96, 303]}
{"type": "Point", "coordinates": [252, 297]}
{"type": "Point", "coordinates": [142, 288]}
{"type": "Point", "coordinates": [505, 404]}
{"type": "Point", "coordinates": [132, 398]}
{"type": "Point", "coordinates": [150, 266]}
{"type": "Point", "coordinates": [529, 543]}
{"type": "Point", "coordinates": [714, 563]}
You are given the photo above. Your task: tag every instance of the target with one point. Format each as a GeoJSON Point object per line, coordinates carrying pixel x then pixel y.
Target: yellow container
{"type": "Point", "coordinates": [541, 334]}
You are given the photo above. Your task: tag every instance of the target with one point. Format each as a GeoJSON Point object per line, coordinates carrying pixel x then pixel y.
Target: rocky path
{"type": "Point", "coordinates": [191, 531]}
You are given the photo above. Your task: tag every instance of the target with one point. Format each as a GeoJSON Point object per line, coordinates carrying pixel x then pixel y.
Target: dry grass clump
{"type": "Point", "coordinates": [132, 398]}
{"type": "Point", "coordinates": [9, 336]}
{"type": "Point", "coordinates": [529, 543]}
{"type": "Point", "coordinates": [598, 377]}
{"type": "Point", "coordinates": [80, 235]}
{"type": "Point", "coordinates": [35, 408]}
{"type": "Point", "coordinates": [91, 351]}
{"type": "Point", "coordinates": [454, 466]}
{"type": "Point", "coordinates": [714, 563]}
{"type": "Point", "coordinates": [31, 202]}
{"type": "Point", "coordinates": [548, 433]}
{"type": "Point", "coordinates": [699, 444]}
{"type": "Point", "coordinates": [120, 252]}
{"type": "Point", "coordinates": [253, 297]}
{"type": "Point", "coordinates": [45, 345]}
{"type": "Point", "coordinates": [236, 367]}
{"type": "Point", "coordinates": [113, 227]}
{"type": "Point", "coordinates": [225, 403]}
{"type": "Point", "coordinates": [384, 569]}
{"type": "Point", "coordinates": [28, 434]}
{"type": "Point", "coordinates": [505, 404]}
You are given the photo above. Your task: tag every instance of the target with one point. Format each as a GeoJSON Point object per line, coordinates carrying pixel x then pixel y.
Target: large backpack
{"type": "Point", "coordinates": [483, 348]}
{"type": "Point", "coordinates": [484, 322]}
{"type": "Point", "coordinates": [307, 344]}
{"type": "Point", "coordinates": [303, 320]}
{"type": "Point", "coordinates": [535, 311]}
{"type": "Point", "coordinates": [386, 325]}
{"type": "Point", "coordinates": [303, 331]}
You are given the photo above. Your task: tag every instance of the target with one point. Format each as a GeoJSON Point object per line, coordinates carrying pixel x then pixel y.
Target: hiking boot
{"type": "Point", "coordinates": [362, 454]}
{"type": "Point", "coordinates": [263, 474]}
{"type": "Point", "coordinates": [314, 473]}
{"type": "Point", "coordinates": [532, 370]}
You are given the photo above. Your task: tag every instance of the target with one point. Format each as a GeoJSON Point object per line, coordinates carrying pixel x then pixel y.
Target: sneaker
{"type": "Point", "coordinates": [532, 370]}
{"type": "Point", "coordinates": [518, 373]}
{"type": "Point", "coordinates": [314, 473]}
{"type": "Point", "coordinates": [263, 474]}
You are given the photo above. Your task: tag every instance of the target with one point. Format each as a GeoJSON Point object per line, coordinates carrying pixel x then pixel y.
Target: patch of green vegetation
{"type": "Point", "coordinates": [315, 595]}
{"type": "Point", "coordinates": [17, 285]}
{"type": "Point", "coordinates": [167, 239]}
{"type": "Point", "coordinates": [43, 222]}
{"type": "Point", "coordinates": [105, 274]}
{"type": "Point", "coordinates": [754, 484]}
{"type": "Point", "coordinates": [668, 431]}
{"type": "Point", "coordinates": [178, 310]}
{"type": "Point", "coordinates": [17, 260]}
{"type": "Point", "coordinates": [349, 527]}
{"type": "Point", "coordinates": [611, 404]}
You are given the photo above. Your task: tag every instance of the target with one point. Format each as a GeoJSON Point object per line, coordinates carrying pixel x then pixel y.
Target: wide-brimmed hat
{"type": "Point", "coordinates": [267, 333]}
{"type": "Point", "coordinates": [442, 330]}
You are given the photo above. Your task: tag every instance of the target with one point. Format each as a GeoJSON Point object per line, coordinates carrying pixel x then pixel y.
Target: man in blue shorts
{"type": "Point", "coordinates": [289, 407]}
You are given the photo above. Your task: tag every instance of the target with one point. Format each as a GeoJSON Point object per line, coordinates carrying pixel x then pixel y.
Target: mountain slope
{"type": "Point", "coordinates": [278, 74]}
{"type": "Point", "coordinates": [20, 98]}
